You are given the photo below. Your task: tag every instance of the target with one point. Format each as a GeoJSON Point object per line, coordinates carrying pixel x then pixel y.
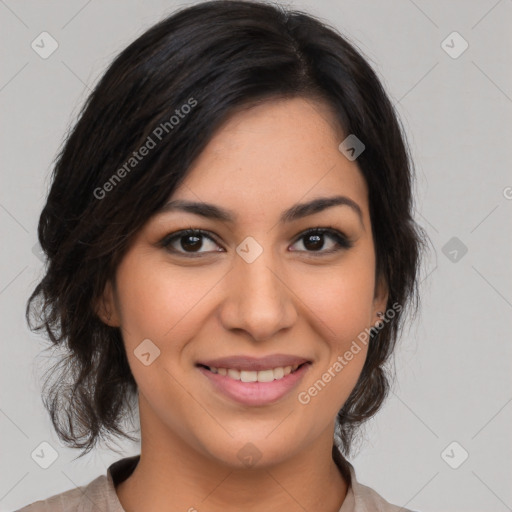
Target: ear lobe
{"type": "Point", "coordinates": [381, 295]}
{"type": "Point", "coordinates": [105, 307]}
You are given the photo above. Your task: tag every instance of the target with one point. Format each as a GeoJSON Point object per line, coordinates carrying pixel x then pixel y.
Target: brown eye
{"type": "Point", "coordinates": [316, 239]}
{"type": "Point", "coordinates": [189, 241]}
{"type": "Point", "coordinates": [314, 242]}
{"type": "Point", "coordinates": [194, 242]}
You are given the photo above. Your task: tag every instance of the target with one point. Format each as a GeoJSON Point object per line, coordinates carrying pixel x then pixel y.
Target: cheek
{"type": "Point", "coordinates": [160, 303]}
{"type": "Point", "coordinates": [157, 300]}
{"type": "Point", "coordinates": [342, 298]}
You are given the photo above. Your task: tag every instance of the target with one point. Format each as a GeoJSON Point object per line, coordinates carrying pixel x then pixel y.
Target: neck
{"type": "Point", "coordinates": [172, 476]}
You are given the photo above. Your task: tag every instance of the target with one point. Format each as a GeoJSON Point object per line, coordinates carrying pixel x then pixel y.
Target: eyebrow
{"type": "Point", "coordinates": [297, 211]}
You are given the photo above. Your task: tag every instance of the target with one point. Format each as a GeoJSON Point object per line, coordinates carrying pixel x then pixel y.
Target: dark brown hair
{"type": "Point", "coordinates": [216, 57]}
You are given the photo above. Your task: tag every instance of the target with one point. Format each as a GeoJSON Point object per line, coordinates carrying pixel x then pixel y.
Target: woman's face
{"type": "Point", "coordinates": [252, 285]}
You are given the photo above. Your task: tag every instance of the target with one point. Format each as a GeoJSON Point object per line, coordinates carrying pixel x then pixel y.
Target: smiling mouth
{"type": "Point", "coordinates": [266, 375]}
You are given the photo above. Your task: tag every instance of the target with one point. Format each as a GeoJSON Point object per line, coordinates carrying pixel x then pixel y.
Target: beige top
{"type": "Point", "coordinates": [100, 494]}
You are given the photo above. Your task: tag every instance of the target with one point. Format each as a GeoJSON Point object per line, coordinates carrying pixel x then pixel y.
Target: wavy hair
{"type": "Point", "coordinates": [226, 54]}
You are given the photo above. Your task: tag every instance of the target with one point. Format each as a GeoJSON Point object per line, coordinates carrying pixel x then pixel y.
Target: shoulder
{"type": "Point", "coordinates": [88, 498]}
{"type": "Point", "coordinates": [99, 495]}
{"type": "Point", "coordinates": [367, 499]}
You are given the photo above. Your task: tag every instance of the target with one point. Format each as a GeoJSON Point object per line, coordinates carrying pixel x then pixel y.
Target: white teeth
{"type": "Point", "coordinates": [278, 373]}
{"type": "Point", "coordinates": [255, 376]}
{"type": "Point", "coordinates": [246, 376]}
{"type": "Point", "coordinates": [234, 374]}
{"type": "Point", "coordinates": [265, 375]}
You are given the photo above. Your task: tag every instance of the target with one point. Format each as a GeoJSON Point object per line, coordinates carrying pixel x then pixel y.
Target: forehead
{"type": "Point", "coordinates": [272, 155]}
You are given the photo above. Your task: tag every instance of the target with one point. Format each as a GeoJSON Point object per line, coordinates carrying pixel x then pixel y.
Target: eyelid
{"type": "Point", "coordinates": [343, 242]}
{"type": "Point", "coordinates": [176, 235]}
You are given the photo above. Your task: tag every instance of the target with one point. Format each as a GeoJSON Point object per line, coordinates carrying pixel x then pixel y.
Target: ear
{"type": "Point", "coordinates": [380, 299]}
{"type": "Point", "coordinates": [105, 307]}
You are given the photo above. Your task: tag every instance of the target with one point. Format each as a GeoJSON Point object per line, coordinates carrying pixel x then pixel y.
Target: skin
{"type": "Point", "coordinates": [292, 299]}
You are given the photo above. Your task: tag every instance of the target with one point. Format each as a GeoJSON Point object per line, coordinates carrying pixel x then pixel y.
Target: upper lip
{"type": "Point", "coordinates": [249, 363]}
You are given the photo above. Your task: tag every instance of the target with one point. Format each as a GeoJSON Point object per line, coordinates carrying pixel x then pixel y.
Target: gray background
{"type": "Point", "coordinates": [453, 365]}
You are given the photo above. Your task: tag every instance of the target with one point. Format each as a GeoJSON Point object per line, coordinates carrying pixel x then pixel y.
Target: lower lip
{"type": "Point", "coordinates": [255, 393]}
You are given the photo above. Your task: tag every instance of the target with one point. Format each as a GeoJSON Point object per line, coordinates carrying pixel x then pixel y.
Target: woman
{"type": "Point", "coordinates": [231, 251]}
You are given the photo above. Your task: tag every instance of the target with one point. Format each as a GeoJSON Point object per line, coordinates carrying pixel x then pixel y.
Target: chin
{"type": "Point", "coordinates": [259, 452]}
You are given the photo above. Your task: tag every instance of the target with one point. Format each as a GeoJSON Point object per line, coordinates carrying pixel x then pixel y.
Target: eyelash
{"type": "Point", "coordinates": [341, 240]}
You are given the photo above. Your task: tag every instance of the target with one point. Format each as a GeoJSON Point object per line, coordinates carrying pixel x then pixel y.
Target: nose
{"type": "Point", "coordinates": [257, 298]}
